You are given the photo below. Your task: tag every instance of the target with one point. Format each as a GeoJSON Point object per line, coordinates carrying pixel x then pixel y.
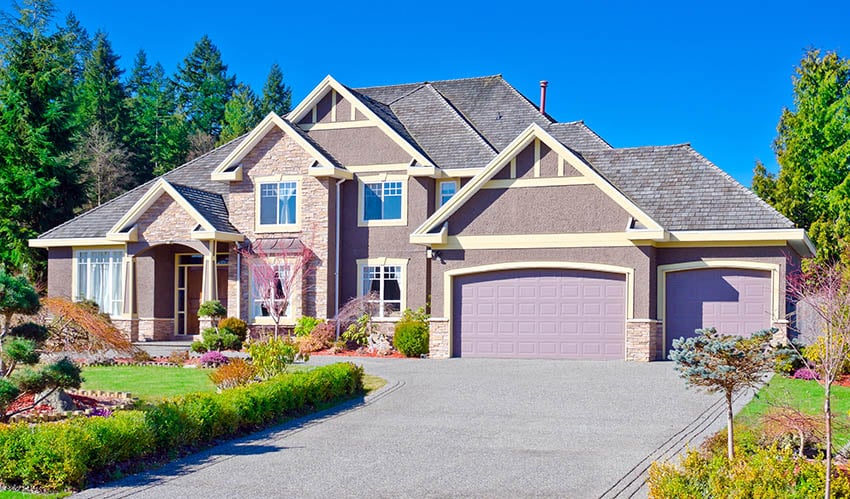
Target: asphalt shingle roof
{"type": "Point", "coordinates": [577, 136]}
{"type": "Point", "coordinates": [211, 206]}
{"type": "Point", "coordinates": [681, 190]}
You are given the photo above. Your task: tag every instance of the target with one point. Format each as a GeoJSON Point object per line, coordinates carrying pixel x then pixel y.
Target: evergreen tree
{"type": "Point", "coordinates": [813, 151]}
{"type": "Point", "coordinates": [277, 96]}
{"type": "Point", "coordinates": [79, 45]}
{"type": "Point", "coordinates": [39, 187]}
{"type": "Point", "coordinates": [157, 136]}
{"type": "Point", "coordinates": [241, 113]}
{"type": "Point", "coordinates": [101, 93]}
{"type": "Point", "coordinates": [203, 88]}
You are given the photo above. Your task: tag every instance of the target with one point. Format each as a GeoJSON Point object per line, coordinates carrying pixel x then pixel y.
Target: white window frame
{"type": "Point", "coordinates": [259, 182]}
{"type": "Point", "coordinates": [401, 264]}
{"type": "Point", "coordinates": [255, 303]}
{"type": "Point", "coordinates": [361, 200]}
{"type": "Point", "coordinates": [114, 287]}
{"type": "Point", "coordinates": [455, 182]}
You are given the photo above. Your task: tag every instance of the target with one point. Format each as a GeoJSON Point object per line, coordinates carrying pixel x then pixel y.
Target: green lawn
{"type": "Point", "coordinates": [9, 494]}
{"type": "Point", "coordinates": [148, 382]}
{"type": "Point", "coordinates": [804, 395]}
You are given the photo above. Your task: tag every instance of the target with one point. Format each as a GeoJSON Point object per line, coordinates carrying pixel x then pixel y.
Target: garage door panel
{"type": "Point", "coordinates": [541, 313]}
{"type": "Point", "coordinates": [735, 301]}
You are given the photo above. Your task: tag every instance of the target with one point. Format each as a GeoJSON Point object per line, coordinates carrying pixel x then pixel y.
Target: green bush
{"type": "Point", "coordinates": [220, 339]}
{"type": "Point", "coordinates": [306, 324]}
{"type": "Point", "coordinates": [757, 473]}
{"type": "Point", "coordinates": [57, 456]}
{"type": "Point", "coordinates": [198, 347]}
{"type": "Point", "coordinates": [358, 331]}
{"type": "Point", "coordinates": [814, 353]}
{"type": "Point", "coordinates": [235, 326]}
{"type": "Point", "coordinates": [787, 360]}
{"type": "Point", "coordinates": [411, 333]}
{"type": "Point", "coordinates": [213, 309]}
{"type": "Point", "coordinates": [271, 357]}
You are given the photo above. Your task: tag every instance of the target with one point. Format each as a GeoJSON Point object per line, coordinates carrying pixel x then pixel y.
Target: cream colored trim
{"type": "Point", "coordinates": [333, 105]}
{"type": "Point", "coordinates": [401, 262]}
{"type": "Point", "coordinates": [423, 171]}
{"type": "Point", "coordinates": [362, 180]}
{"type": "Point", "coordinates": [151, 196]}
{"type": "Point", "coordinates": [536, 157]}
{"type": "Point", "coordinates": [561, 166]}
{"type": "Point", "coordinates": [131, 235]}
{"type": "Point", "coordinates": [299, 194]}
{"type": "Point", "coordinates": [531, 133]}
{"type": "Point", "coordinates": [353, 111]}
{"type": "Point", "coordinates": [268, 321]}
{"type": "Point", "coordinates": [737, 235]}
{"type": "Point", "coordinates": [663, 270]}
{"type": "Point", "coordinates": [389, 167]}
{"type": "Point", "coordinates": [329, 171]}
{"type": "Point", "coordinates": [536, 182]}
{"type": "Point", "coordinates": [234, 175]}
{"type": "Point", "coordinates": [339, 125]}
{"type": "Point", "coordinates": [449, 277]}
{"type": "Point", "coordinates": [217, 235]}
{"type": "Point", "coordinates": [433, 238]}
{"type": "Point", "coordinates": [259, 132]}
{"type": "Point", "coordinates": [528, 241]}
{"type": "Point", "coordinates": [315, 115]}
{"type": "Point", "coordinates": [77, 241]}
{"type": "Point", "coordinates": [329, 83]}
{"type": "Point", "coordinates": [513, 167]}
{"type": "Point", "coordinates": [439, 185]}
{"type": "Point", "coordinates": [461, 172]}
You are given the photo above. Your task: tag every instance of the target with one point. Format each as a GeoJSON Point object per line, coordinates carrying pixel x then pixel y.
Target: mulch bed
{"type": "Point", "coordinates": [358, 353]}
{"type": "Point", "coordinates": [81, 401]}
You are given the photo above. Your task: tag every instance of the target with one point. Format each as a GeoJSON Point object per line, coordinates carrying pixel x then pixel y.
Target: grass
{"type": "Point", "coordinates": [807, 396]}
{"type": "Point", "coordinates": [11, 494]}
{"type": "Point", "coordinates": [372, 382]}
{"type": "Point", "coordinates": [148, 383]}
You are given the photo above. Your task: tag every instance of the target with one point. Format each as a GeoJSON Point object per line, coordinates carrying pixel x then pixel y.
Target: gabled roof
{"type": "Point", "coordinates": [682, 190]}
{"type": "Point", "coordinates": [577, 136]}
{"type": "Point", "coordinates": [209, 205]}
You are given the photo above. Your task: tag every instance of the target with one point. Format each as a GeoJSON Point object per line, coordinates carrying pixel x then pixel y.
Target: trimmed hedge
{"type": "Point", "coordinates": [56, 456]}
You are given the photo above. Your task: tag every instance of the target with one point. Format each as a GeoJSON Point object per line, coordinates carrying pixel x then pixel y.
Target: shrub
{"type": "Point", "coordinates": [30, 331]}
{"type": "Point", "coordinates": [198, 347]}
{"type": "Point", "coordinates": [141, 356]}
{"type": "Point", "coordinates": [271, 357]}
{"type": "Point", "coordinates": [358, 331]}
{"type": "Point", "coordinates": [178, 357]}
{"type": "Point", "coordinates": [814, 353]}
{"type": "Point", "coordinates": [235, 373]}
{"type": "Point", "coordinates": [234, 326]}
{"type": "Point", "coordinates": [411, 333]}
{"type": "Point", "coordinates": [220, 339]}
{"type": "Point", "coordinates": [306, 324]}
{"type": "Point", "coordinates": [806, 373]}
{"type": "Point", "coordinates": [212, 309]}
{"type": "Point", "coordinates": [67, 454]}
{"type": "Point", "coordinates": [787, 359]}
{"type": "Point", "coordinates": [320, 338]}
{"type": "Point", "coordinates": [213, 359]}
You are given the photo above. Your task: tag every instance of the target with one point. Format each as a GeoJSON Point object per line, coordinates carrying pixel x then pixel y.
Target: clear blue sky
{"type": "Point", "coordinates": [715, 74]}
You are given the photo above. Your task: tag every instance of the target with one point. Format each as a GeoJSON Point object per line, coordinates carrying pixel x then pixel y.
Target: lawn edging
{"type": "Point", "coordinates": [67, 454]}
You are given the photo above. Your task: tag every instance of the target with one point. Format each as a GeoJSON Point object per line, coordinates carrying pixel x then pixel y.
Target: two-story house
{"type": "Point", "coordinates": [526, 237]}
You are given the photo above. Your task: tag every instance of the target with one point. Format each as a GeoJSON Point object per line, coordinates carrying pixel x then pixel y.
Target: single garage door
{"type": "Point", "coordinates": [540, 313]}
{"type": "Point", "coordinates": [734, 301]}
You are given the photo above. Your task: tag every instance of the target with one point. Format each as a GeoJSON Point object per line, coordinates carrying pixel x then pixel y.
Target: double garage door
{"type": "Point", "coordinates": [540, 313]}
{"type": "Point", "coordinates": [574, 314]}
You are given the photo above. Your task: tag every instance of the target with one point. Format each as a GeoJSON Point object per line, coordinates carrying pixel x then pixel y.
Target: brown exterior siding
{"type": "Point", "coordinates": [323, 109]}
{"type": "Point", "coordinates": [538, 210]}
{"type": "Point", "coordinates": [360, 146]}
{"type": "Point", "coordinates": [60, 262]}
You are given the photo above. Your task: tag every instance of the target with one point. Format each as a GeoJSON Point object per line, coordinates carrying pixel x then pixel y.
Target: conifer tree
{"type": "Point", "coordinates": [241, 113]}
{"type": "Point", "coordinates": [277, 96]}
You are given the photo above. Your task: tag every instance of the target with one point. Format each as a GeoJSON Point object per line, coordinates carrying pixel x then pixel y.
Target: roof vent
{"type": "Point", "coordinates": [543, 85]}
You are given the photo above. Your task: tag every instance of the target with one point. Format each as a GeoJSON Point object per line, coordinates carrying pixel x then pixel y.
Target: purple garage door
{"type": "Point", "coordinates": [734, 301]}
{"type": "Point", "coordinates": [540, 313]}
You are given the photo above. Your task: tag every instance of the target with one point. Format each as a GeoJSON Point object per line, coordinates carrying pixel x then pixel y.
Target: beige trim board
{"type": "Point", "coordinates": [461, 172]}
{"type": "Point", "coordinates": [338, 125]}
{"type": "Point", "coordinates": [151, 196]}
{"type": "Point", "coordinates": [217, 236]}
{"type": "Point", "coordinates": [449, 277]}
{"type": "Point", "coordinates": [131, 235]}
{"type": "Point", "coordinates": [330, 84]}
{"type": "Point", "coordinates": [527, 241]}
{"type": "Point", "coordinates": [663, 270]}
{"type": "Point", "coordinates": [362, 180]}
{"type": "Point", "coordinates": [77, 241]}
{"type": "Point", "coordinates": [432, 238]}
{"type": "Point", "coordinates": [330, 171]}
{"type": "Point", "coordinates": [234, 175]}
{"type": "Point", "coordinates": [535, 182]}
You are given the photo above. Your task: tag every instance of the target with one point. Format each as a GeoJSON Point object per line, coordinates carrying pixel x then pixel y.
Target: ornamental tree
{"type": "Point", "coordinates": [726, 364]}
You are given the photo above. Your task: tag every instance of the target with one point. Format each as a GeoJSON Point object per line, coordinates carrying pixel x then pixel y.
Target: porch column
{"type": "Point", "coordinates": [129, 285]}
{"type": "Point", "coordinates": [210, 285]}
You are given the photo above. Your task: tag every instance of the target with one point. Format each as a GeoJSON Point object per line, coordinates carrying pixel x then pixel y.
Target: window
{"type": "Point", "coordinates": [100, 278]}
{"type": "Point", "coordinates": [268, 281]}
{"type": "Point", "coordinates": [382, 201]}
{"type": "Point", "coordinates": [448, 188]}
{"type": "Point", "coordinates": [278, 203]}
{"type": "Point", "coordinates": [385, 282]}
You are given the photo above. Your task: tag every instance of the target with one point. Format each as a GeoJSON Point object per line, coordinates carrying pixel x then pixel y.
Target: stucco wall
{"type": "Point", "coordinates": [60, 263]}
{"type": "Point", "coordinates": [360, 146]}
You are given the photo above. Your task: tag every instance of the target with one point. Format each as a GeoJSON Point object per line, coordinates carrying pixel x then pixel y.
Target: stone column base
{"type": "Point", "coordinates": [156, 329]}
{"type": "Point", "coordinates": [204, 323]}
{"type": "Point", "coordinates": [643, 340]}
{"type": "Point", "coordinates": [781, 335]}
{"type": "Point", "coordinates": [130, 328]}
{"type": "Point", "coordinates": [439, 346]}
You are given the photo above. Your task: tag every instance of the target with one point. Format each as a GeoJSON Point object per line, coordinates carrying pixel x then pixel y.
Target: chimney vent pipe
{"type": "Point", "coordinates": [543, 85]}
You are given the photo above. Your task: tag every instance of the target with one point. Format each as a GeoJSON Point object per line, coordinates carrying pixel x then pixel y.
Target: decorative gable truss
{"type": "Point", "coordinates": [330, 92]}
{"type": "Point", "coordinates": [126, 230]}
{"type": "Point", "coordinates": [230, 169]}
{"type": "Point", "coordinates": [434, 231]}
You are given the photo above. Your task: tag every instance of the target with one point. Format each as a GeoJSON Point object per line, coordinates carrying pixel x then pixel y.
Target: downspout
{"type": "Point", "coordinates": [238, 283]}
{"type": "Point", "coordinates": [336, 256]}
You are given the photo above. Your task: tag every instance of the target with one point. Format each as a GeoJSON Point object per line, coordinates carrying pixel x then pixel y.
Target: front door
{"type": "Point", "coordinates": [194, 297]}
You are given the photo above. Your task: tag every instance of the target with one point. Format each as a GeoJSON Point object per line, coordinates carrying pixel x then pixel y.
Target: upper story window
{"type": "Point", "coordinates": [383, 200]}
{"type": "Point", "coordinates": [448, 188]}
{"type": "Point", "coordinates": [277, 204]}
{"type": "Point", "coordinates": [100, 278]}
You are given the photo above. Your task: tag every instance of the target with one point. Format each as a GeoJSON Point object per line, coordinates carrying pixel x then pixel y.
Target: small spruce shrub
{"type": "Point", "coordinates": [411, 333]}
{"type": "Point", "coordinates": [787, 359]}
{"type": "Point", "coordinates": [30, 331]}
{"type": "Point", "coordinates": [198, 347]}
{"type": "Point", "coordinates": [306, 324]}
{"type": "Point", "coordinates": [220, 339]}
{"type": "Point", "coordinates": [213, 359]}
{"type": "Point", "coordinates": [235, 373]}
{"type": "Point", "coordinates": [212, 309]}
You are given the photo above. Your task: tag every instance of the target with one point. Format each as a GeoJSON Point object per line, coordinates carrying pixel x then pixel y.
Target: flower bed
{"type": "Point", "coordinates": [69, 454]}
{"type": "Point", "coordinates": [360, 353]}
{"type": "Point", "coordinates": [87, 403]}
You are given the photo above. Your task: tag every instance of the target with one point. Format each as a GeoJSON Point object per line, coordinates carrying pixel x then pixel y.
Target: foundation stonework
{"type": "Point", "coordinates": [643, 340]}
{"type": "Point", "coordinates": [156, 329]}
{"type": "Point", "coordinates": [438, 339]}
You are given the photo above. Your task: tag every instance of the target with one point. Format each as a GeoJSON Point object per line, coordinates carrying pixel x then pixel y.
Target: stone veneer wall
{"type": "Point", "coordinates": [438, 339]}
{"type": "Point", "coordinates": [643, 340]}
{"type": "Point", "coordinates": [156, 329]}
{"type": "Point", "coordinates": [130, 328]}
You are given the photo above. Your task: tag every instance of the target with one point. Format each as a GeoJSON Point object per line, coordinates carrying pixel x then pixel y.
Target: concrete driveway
{"type": "Point", "coordinates": [460, 428]}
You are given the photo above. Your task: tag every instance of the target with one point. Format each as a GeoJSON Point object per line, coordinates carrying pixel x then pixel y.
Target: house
{"type": "Point", "coordinates": [526, 237]}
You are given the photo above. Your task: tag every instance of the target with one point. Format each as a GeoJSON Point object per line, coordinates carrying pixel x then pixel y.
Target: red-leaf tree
{"type": "Point", "coordinates": [277, 274]}
{"type": "Point", "coordinates": [822, 292]}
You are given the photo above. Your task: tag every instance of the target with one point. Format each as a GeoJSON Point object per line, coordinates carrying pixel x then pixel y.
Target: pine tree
{"type": "Point", "coordinates": [79, 45]}
{"type": "Point", "coordinates": [241, 113]}
{"type": "Point", "coordinates": [203, 88]}
{"type": "Point", "coordinates": [39, 187]}
{"type": "Point", "coordinates": [101, 93]}
{"type": "Point", "coordinates": [157, 136]}
{"type": "Point", "coordinates": [277, 96]}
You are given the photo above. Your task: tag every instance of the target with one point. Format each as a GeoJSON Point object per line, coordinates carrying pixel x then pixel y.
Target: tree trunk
{"type": "Point", "coordinates": [730, 431]}
{"type": "Point", "coordinates": [827, 414]}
